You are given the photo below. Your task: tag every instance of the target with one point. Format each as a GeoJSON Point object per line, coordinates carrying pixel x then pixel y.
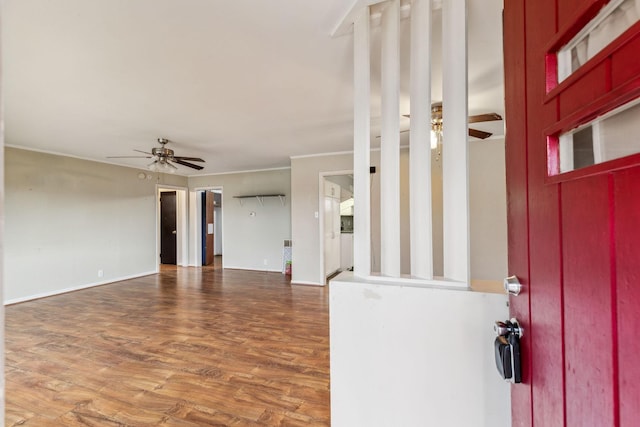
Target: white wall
{"type": "Point", "coordinates": [488, 207]}
{"type": "Point", "coordinates": [487, 211]}
{"type": "Point", "coordinates": [414, 356]}
{"type": "Point", "coordinates": [217, 220]}
{"type": "Point", "coordinates": [58, 206]}
{"type": "Point", "coordinates": [250, 240]}
{"type": "Point", "coordinates": [68, 218]}
{"type": "Point", "coordinates": [305, 227]}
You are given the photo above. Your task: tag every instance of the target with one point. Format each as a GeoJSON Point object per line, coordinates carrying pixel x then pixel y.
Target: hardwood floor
{"type": "Point", "coordinates": [186, 347]}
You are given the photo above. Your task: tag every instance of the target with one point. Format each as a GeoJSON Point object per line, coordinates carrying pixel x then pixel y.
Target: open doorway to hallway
{"type": "Point", "coordinates": [210, 248]}
{"type": "Point", "coordinates": [336, 222]}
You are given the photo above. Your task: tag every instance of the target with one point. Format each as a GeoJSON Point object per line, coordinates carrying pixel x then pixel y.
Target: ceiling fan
{"type": "Point", "coordinates": [436, 121]}
{"type": "Point", "coordinates": [164, 158]}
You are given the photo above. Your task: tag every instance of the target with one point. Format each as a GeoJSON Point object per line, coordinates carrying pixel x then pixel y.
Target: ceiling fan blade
{"type": "Point", "coordinates": [479, 133]}
{"type": "Point", "coordinates": [187, 164]}
{"type": "Point", "coordinates": [191, 159]}
{"type": "Point", "coordinates": [143, 152]}
{"type": "Point", "coordinates": [476, 133]}
{"type": "Point", "coordinates": [129, 157]}
{"type": "Point", "coordinates": [489, 117]}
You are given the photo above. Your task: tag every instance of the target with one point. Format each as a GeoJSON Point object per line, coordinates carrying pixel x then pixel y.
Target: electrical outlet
{"type": "Point", "coordinates": [100, 273]}
{"type": "Point", "coordinates": [266, 262]}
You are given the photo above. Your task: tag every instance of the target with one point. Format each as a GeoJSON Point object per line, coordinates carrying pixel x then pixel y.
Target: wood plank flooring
{"type": "Point", "coordinates": [185, 347]}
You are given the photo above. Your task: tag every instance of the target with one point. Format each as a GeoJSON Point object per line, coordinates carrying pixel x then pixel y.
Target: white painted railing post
{"type": "Point", "coordinates": [390, 142]}
{"type": "Point", "coordinates": [420, 142]}
{"type": "Point", "coordinates": [455, 157]}
{"type": "Point", "coordinates": [361, 144]}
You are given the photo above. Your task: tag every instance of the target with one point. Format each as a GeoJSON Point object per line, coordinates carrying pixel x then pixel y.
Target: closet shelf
{"type": "Point", "coordinates": [260, 198]}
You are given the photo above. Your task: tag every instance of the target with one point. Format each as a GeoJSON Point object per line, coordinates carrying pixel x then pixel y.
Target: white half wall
{"type": "Point", "coordinates": [251, 241]}
{"type": "Point", "coordinates": [73, 223]}
{"type": "Point", "coordinates": [414, 356]}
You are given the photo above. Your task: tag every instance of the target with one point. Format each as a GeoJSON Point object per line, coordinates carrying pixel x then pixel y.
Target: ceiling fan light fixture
{"type": "Point", "coordinates": [169, 168]}
{"type": "Point", "coordinates": [162, 165]}
{"type": "Point", "coordinates": [436, 138]}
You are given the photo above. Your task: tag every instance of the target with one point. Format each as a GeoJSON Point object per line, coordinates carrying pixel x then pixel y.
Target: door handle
{"type": "Point", "coordinates": [512, 285]}
{"type": "Point", "coordinates": [509, 327]}
{"type": "Point", "coordinates": [174, 232]}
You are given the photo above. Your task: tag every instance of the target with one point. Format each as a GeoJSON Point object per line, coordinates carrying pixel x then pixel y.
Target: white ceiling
{"type": "Point", "coordinates": [244, 84]}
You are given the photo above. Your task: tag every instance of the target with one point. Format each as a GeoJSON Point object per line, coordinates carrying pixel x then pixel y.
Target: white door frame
{"type": "Point", "coordinates": [195, 231]}
{"type": "Point", "coordinates": [321, 177]}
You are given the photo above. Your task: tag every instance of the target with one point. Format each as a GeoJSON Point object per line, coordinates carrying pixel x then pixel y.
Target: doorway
{"type": "Point", "coordinates": [211, 227]}
{"type": "Point", "coordinates": [336, 223]}
{"type": "Point", "coordinates": [171, 242]}
{"type": "Point", "coordinates": [168, 230]}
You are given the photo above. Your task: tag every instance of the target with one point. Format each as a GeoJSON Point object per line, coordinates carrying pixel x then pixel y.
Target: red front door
{"type": "Point", "coordinates": [574, 238]}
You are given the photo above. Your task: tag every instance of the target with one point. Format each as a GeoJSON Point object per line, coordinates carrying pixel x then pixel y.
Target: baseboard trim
{"type": "Point", "coordinates": [77, 288]}
{"type": "Point", "coordinates": [303, 283]}
{"type": "Point", "coordinates": [265, 270]}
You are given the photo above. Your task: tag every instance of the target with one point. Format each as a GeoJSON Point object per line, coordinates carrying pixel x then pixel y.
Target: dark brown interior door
{"type": "Point", "coordinates": [168, 227]}
{"type": "Point", "coordinates": [209, 227]}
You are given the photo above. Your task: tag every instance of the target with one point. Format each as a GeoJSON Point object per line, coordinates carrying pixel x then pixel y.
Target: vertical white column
{"type": "Point", "coordinates": [390, 142]}
{"type": "Point", "coordinates": [420, 143]}
{"type": "Point", "coordinates": [361, 145]}
{"type": "Point", "coordinates": [195, 237]}
{"type": "Point", "coordinates": [455, 157]}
